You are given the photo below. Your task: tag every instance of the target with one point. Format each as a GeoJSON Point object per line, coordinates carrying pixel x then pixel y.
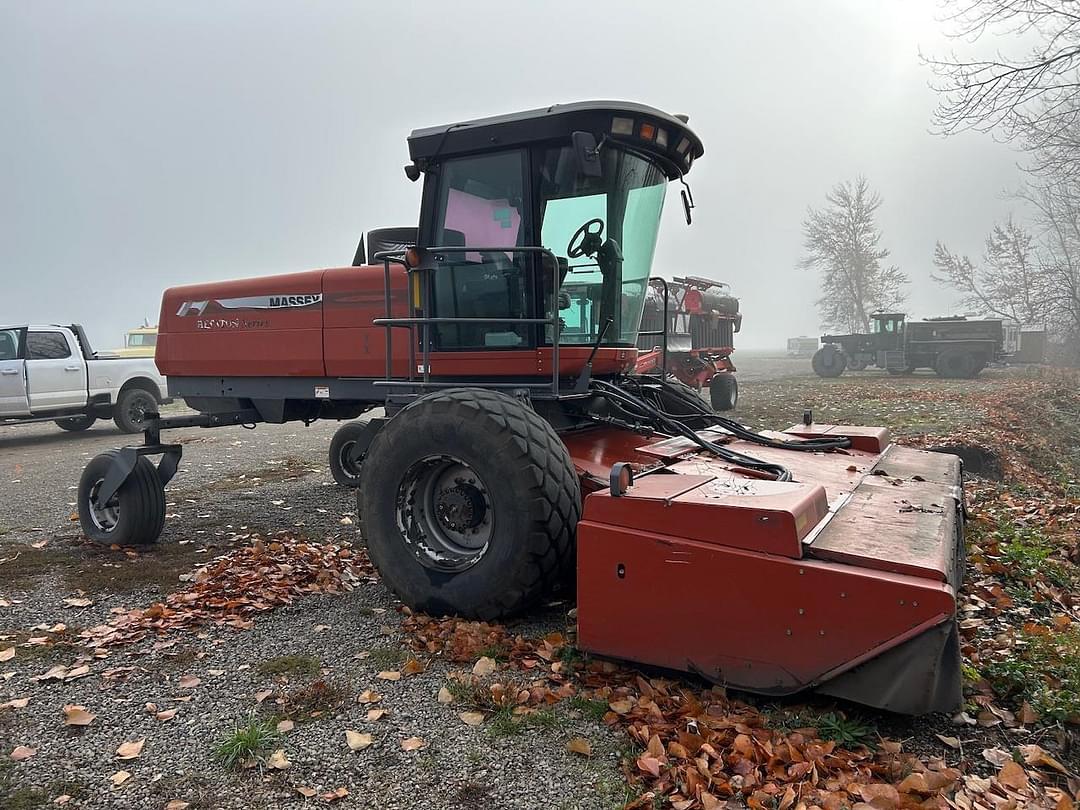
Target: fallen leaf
{"type": "Point", "coordinates": [16, 703]}
{"type": "Point", "coordinates": [1012, 775]}
{"type": "Point", "coordinates": [168, 714]}
{"type": "Point", "coordinates": [62, 799]}
{"type": "Point", "coordinates": [952, 742]}
{"type": "Point", "coordinates": [376, 714]}
{"type": "Point", "coordinates": [368, 696]}
{"type": "Point", "coordinates": [284, 726]}
{"type": "Point", "coordinates": [1027, 714]}
{"type": "Point", "coordinates": [77, 716]}
{"type": "Point", "coordinates": [484, 667]}
{"type": "Point", "coordinates": [277, 761]}
{"type": "Point", "coordinates": [119, 778]}
{"type": "Point", "coordinates": [413, 744]}
{"type": "Point", "coordinates": [579, 745]}
{"type": "Point", "coordinates": [413, 667]}
{"type": "Point", "coordinates": [263, 695]}
{"type": "Point", "coordinates": [621, 706]}
{"type": "Point", "coordinates": [177, 804]}
{"type": "Point", "coordinates": [22, 753]}
{"type": "Point", "coordinates": [79, 602]}
{"type": "Point", "coordinates": [8, 654]}
{"type": "Point", "coordinates": [389, 675]}
{"type": "Point", "coordinates": [189, 682]}
{"type": "Point", "coordinates": [472, 718]}
{"type": "Point", "coordinates": [649, 764]}
{"type": "Point", "coordinates": [77, 672]}
{"type": "Point", "coordinates": [445, 696]}
{"type": "Point", "coordinates": [130, 750]}
{"type": "Point", "coordinates": [334, 795]}
{"type": "Point", "coordinates": [306, 792]}
{"type": "Point", "coordinates": [358, 741]}
{"type": "Point", "coordinates": [996, 756]}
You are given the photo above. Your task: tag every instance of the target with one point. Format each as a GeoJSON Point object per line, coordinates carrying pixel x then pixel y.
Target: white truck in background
{"type": "Point", "coordinates": [50, 373]}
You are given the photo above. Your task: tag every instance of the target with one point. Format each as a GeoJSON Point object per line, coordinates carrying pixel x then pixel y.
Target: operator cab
{"type": "Point", "coordinates": [887, 328]}
{"type": "Point", "coordinates": [542, 224]}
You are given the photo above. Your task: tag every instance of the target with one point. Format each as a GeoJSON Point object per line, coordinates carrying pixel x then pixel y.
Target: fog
{"type": "Point", "coordinates": [144, 145]}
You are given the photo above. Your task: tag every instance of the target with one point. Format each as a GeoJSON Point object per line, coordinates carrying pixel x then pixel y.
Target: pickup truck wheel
{"type": "Point", "coordinates": [76, 424]}
{"type": "Point", "coordinates": [469, 502]}
{"type": "Point", "coordinates": [829, 361]}
{"type": "Point", "coordinates": [131, 408]}
{"type": "Point", "coordinates": [724, 392]}
{"type": "Point", "coordinates": [347, 450]}
{"type": "Point", "coordinates": [134, 515]}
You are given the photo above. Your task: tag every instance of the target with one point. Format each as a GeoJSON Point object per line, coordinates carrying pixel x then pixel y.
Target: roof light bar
{"type": "Point", "coordinates": [622, 126]}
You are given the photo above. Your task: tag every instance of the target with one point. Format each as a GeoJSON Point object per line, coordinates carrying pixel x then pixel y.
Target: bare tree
{"type": "Point", "coordinates": [1011, 282]}
{"type": "Point", "coordinates": [1058, 218]}
{"type": "Point", "coordinates": [843, 244]}
{"type": "Point", "coordinates": [1033, 98]}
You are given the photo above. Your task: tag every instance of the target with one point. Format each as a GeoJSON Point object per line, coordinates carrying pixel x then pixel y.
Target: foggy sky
{"type": "Point", "coordinates": [146, 144]}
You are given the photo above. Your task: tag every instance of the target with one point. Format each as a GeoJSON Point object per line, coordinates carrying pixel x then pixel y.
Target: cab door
{"type": "Point", "coordinates": [55, 375]}
{"type": "Point", "coordinates": [13, 400]}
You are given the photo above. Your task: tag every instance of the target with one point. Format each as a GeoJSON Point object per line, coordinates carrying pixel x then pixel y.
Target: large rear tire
{"type": "Point", "coordinates": [829, 361]}
{"type": "Point", "coordinates": [724, 392]}
{"type": "Point", "coordinates": [469, 502]}
{"type": "Point", "coordinates": [956, 365]}
{"type": "Point", "coordinates": [135, 515]}
{"type": "Point", "coordinates": [76, 424]}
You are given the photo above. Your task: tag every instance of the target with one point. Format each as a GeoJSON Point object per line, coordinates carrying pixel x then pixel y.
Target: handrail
{"type": "Point", "coordinates": [662, 332]}
{"type": "Point", "coordinates": [389, 322]}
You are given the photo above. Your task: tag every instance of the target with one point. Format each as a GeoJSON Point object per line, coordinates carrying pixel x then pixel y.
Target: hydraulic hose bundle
{"type": "Point", "coordinates": [647, 406]}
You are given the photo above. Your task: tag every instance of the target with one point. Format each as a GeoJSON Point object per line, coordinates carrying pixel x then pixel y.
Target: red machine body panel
{"type": "Point", "coordinates": [319, 323]}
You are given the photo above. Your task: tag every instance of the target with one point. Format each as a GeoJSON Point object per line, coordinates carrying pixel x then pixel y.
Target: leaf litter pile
{"type": "Point", "coordinates": [267, 573]}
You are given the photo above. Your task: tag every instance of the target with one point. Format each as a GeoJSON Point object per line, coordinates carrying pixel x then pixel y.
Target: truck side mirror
{"type": "Point", "coordinates": [586, 154]}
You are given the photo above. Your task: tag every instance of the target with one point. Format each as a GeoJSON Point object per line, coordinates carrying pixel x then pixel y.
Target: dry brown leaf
{"type": "Point", "coordinates": [177, 804]}
{"type": "Point", "coordinates": [996, 756]}
{"type": "Point", "coordinates": [189, 682]}
{"type": "Point", "coordinates": [8, 654]}
{"type": "Point", "coordinates": [376, 714]}
{"type": "Point", "coordinates": [263, 695]}
{"type": "Point", "coordinates": [285, 726]}
{"type": "Point", "coordinates": [472, 718]}
{"type": "Point", "coordinates": [168, 714]}
{"type": "Point", "coordinates": [119, 778]}
{"type": "Point", "coordinates": [1027, 714]}
{"type": "Point", "coordinates": [1012, 775]}
{"type": "Point", "coordinates": [277, 761]}
{"type": "Point", "coordinates": [413, 667]}
{"type": "Point", "coordinates": [621, 706]}
{"type": "Point", "coordinates": [335, 795]}
{"type": "Point", "coordinates": [389, 675]}
{"type": "Point", "coordinates": [368, 696]}
{"type": "Point", "coordinates": [22, 753]}
{"type": "Point", "coordinates": [445, 696]}
{"type": "Point", "coordinates": [649, 764]}
{"type": "Point", "coordinates": [306, 792]}
{"type": "Point", "coordinates": [79, 602]}
{"type": "Point", "coordinates": [952, 742]}
{"type": "Point", "coordinates": [484, 667]}
{"type": "Point", "coordinates": [77, 716]}
{"type": "Point", "coordinates": [413, 744]}
{"type": "Point", "coordinates": [579, 745]}
{"type": "Point", "coordinates": [77, 672]}
{"type": "Point", "coordinates": [1037, 755]}
{"type": "Point", "coordinates": [130, 750]}
{"type": "Point", "coordinates": [358, 741]}
{"type": "Point", "coordinates": [16, 703]}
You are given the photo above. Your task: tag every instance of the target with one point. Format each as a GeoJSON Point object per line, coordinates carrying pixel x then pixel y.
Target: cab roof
{"type": "Point", "coordinates": [637, 125]}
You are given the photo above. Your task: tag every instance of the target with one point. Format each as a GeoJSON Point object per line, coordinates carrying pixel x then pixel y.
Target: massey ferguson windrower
{"type": "Point", "coordinates": [519, 448]}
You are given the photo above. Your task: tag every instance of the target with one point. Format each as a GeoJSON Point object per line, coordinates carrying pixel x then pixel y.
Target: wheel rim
{"type": "Point", "coordinates": [103, 516]}
{"type": "Point", "coordinates": [444, 513]}
{"type": "Point", "coordinates": [345, 461]}
{"type": "Point", "coordinates": [137, 408]}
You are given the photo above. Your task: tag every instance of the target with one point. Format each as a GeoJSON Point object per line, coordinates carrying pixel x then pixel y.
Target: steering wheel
{"type": "Point", "coordinates": [586, 239]}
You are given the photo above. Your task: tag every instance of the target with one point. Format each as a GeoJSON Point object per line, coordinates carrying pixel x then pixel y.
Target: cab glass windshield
{"type": "Point", "coordinates": [603, 232]}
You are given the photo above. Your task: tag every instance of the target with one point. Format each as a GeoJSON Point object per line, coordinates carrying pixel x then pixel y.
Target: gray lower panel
{"type": "Point", "coordinates": [301, 388]}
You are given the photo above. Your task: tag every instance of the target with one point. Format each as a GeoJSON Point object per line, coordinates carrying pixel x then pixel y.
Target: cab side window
{"type": "Point", "coordinates": [9, 344]}
{"type": "Point", "coordinates": [47, 346]}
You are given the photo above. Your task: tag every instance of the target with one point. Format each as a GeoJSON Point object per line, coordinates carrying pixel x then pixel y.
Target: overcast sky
{"type": "Point", "coordinates": [145, 144]}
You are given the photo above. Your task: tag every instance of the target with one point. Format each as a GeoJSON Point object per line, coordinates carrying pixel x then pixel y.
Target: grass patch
{"type": "Point", "coordinates": [248, 741]}
{"type": "Point", "coordinates": [288, 469]}
{"type": "Point", "coordinates": [845, 731]}
{"type": "Point", "coordinates": [157, 568]}
{"type": "Point", "coordinates": [1026, 555]}
{"type": "Point", "coordinates": [386, 657]}
{"type": "Point", "coordinates": [23, 566]}
{"type": "Point", "coordinates": [1043, 668]}
{"type": "Point", "coordinates": [504, 723]}
{"type": "Point", "coordinates": [311, 702]}
{"type": "Point", "coordinates": [589, 708]}
{"type": "Point", "coordinates": [289, 665]}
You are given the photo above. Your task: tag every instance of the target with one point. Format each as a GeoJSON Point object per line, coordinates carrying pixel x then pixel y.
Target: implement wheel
{"type": "Point", "coordinates": [134, 515]}
{"type": "Point", "coordinates": [346, 453]}
{"type": "Point", "coordinates": [956, 365]}
{"type": "Point", "coordinates": [829, 361]}
{"type": "Point", "coordinates": [724, 392]}
{"type": "Point", "coordinates": [469, 502]}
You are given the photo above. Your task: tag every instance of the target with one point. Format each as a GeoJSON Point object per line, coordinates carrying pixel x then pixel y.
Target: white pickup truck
{"type": "Point", "coordinates": [50, 373]}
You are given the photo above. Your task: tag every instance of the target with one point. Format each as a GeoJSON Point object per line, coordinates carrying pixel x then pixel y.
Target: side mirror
{"type": "Point", "coordinates": [586, 155]}
{"type": "Point", "coordinates": [687, 205]}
